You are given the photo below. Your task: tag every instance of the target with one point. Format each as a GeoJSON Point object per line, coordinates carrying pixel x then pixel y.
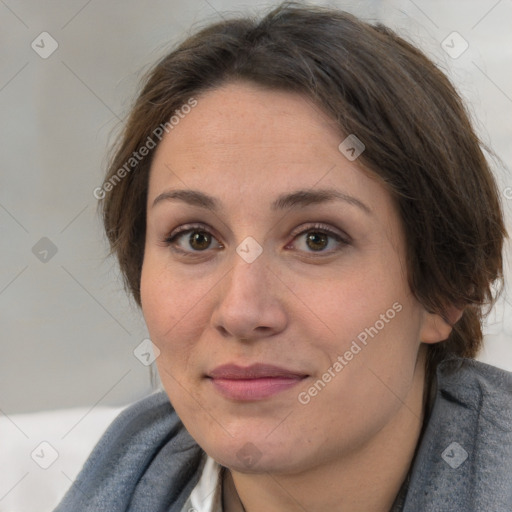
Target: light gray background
{"type": "Point", "coordinates": [67, 329]}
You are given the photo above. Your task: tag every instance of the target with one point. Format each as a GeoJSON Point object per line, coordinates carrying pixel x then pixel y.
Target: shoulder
{"type": "Point", "coordinates": [146, 456]}
{"type": "Point", "coordinates": [482, 388]}
{"type": "Point", "coordinates": [464, 458]}
{"type": "Point", "coordinates": [152, 413]}
{"type": "Point", "coordinates": [145, 424]}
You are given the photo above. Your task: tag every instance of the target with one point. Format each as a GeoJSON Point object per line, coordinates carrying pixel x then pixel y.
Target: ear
{"type": "Point", "coordinates": [436, 328]}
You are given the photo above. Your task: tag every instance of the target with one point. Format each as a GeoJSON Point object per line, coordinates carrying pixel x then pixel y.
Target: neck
{"type": "Point", "coordinates": [366, 480]}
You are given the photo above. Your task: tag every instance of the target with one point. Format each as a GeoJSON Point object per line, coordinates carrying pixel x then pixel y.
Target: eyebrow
{"type": "Point", "coordinates": [294, 200]}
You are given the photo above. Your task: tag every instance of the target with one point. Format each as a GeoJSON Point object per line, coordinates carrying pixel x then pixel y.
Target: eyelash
{"type": "Point", "coordinates": [202, 228]}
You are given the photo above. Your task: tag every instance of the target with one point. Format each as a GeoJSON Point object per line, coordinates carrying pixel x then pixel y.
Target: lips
{"type": "Point", "coordinates": [255, 382]}
{"type": "Point", "coordinates": [255, 371]}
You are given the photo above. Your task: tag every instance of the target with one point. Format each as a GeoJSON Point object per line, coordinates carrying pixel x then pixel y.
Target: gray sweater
{"type": "Point", "coordinates": [147, 462]}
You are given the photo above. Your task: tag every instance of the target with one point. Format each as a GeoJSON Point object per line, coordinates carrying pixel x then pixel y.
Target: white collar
{"type": "Point", "coordinates": [206, 495]}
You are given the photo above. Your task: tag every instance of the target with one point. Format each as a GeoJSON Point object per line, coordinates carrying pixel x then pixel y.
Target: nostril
{"type": "Point", "coordinates": [224, 332]}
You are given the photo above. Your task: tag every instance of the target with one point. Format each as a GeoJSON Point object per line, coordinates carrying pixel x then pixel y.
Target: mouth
{"type": "Point", "coordinates": [255, 382]}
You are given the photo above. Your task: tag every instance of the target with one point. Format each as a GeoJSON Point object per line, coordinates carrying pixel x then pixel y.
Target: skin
{"type": "Point", "coordinates": [296, 306]}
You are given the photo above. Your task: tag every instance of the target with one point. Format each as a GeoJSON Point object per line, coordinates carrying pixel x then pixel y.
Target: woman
{"type": "Point", "coordinates": [304, 214]}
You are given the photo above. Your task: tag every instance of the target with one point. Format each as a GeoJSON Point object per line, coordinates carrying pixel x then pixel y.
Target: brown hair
{"type": "Point", "coordinates": [418, 137]}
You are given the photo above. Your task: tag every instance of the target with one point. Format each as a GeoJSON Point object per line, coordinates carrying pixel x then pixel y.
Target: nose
{"type": "Point", "coordinates": [250, 305]}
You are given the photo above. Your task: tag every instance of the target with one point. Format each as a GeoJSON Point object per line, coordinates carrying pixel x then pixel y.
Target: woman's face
{"type": "Point", "coordinates": [267, 246]}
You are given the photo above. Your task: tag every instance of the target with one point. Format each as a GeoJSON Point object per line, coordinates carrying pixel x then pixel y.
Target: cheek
{"type": "Point", "coordinates": [176, 312]}
{"type": "Point", "coordinates": [167, 300]}
{"type": "Point", "coordinates": [355, 298]}
{"type": "Point", "coordinates": [370, 366]}
{"type": "Point", "coordinates": [164, 308]}
{"type": "Point", "coordinates": [162, 312]}
{"type": "Point", "coordinates": [157, 303]}
{"type": "Point", "coordinates": [371, 319]}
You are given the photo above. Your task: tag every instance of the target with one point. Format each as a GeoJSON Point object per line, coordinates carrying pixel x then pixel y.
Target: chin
{"type": "Point", "coordinates": [250, 455]}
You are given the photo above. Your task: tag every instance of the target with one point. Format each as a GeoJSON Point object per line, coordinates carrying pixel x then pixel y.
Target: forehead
{"type": "Point", "coordinates": [258, 142]}
{"type": "Point", "coordinates": [244, 117]}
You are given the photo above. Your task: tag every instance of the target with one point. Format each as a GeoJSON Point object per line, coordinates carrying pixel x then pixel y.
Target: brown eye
{"type": "Point", "coordinates": [199, 240]}
{"type": "Point", "coordinates": [317, 241]}
{"type": "Point", "coordinates": [192, 239]}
